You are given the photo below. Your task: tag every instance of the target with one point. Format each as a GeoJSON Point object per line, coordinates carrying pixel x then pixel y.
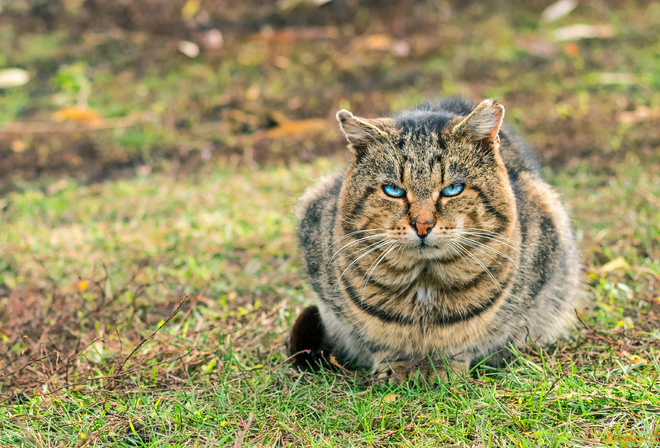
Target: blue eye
{"type": "Point", "coordinates": [453, 190]}
{"type": "Point", "coordinates": [393, 191]}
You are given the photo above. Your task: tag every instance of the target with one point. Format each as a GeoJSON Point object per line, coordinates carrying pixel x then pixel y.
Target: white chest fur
{"type": "Point", "coordinates": [425, 295]}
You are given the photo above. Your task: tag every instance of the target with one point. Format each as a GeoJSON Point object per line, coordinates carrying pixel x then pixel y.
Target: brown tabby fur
{"type": "Point", "coordinates": [498, 264]}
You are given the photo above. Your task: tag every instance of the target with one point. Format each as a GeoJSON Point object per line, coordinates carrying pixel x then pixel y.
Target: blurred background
{"type": "Point", "coordinates": [152, 150]}
{"type": "Point", "coordinates": [95, 89]}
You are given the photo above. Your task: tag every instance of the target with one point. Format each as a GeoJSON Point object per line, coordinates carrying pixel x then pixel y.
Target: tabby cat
{"type": "Point", "coordinates": [440, 245]}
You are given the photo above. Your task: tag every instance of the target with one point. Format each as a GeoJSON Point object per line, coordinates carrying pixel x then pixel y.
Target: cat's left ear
{"type": "Point", "coordinates": [483, 124]}
{"type": "Point", "coordinates": [362, 132]}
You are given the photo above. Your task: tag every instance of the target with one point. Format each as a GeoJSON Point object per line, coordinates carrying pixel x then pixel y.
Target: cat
{"type": "Point", "coordinates": [439, 246]}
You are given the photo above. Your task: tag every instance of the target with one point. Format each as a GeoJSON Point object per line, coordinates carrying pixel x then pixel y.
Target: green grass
{"type": "Point", "coordinates": [216, 372]}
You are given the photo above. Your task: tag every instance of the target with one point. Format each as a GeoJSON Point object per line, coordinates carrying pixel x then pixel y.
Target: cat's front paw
{"type": "Point", "coordinates": [423, 372]}
{"type": "Point", "coordinates": [409, 372]}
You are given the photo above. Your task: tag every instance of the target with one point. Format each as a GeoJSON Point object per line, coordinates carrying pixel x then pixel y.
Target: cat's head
{"type": "Point", "coordinates": [426, 178]}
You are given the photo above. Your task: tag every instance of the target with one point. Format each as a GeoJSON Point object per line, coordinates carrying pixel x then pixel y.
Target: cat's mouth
{"type": "Point", "coordinates": [424, 245]}
{"type": "Point", "coordinates": [431, 247]}
{"type": "Point", "coordinates": [431, 250]}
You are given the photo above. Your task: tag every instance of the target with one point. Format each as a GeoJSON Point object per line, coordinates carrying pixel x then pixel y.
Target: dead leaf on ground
{"type": "Point", "coordinates": [391, 398]}
{"type": "Point", "coordinates": [382, 42]}
{"type": "Point", "coordinates": [190, 49]}
{"type": "Point", "coordinates": [617, 263]}
{"type": "Point", "coordinates": [13, 77]}
{"type": "Point", "coordinates": [18, 145]}
{"type": "Point", "coordinates": [300, 128]}
{"type": "Point", "coordinates": [190, 8]}
{"type": "Point", "coordinates": [639, 114]}
{"type": "Point", "coordinates": [77, 114]}
{"type": "Point", "coordinates": [582, 31]}
{"type": "Point", "coordinates": [558, 10]}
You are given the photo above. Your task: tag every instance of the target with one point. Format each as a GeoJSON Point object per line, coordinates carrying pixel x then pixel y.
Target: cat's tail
{"type": "Point", "coordinates": [307, 345]}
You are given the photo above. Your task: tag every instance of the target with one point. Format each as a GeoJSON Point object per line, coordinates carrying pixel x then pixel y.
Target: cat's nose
{"type": "Point", "coordinates": [422, 224]}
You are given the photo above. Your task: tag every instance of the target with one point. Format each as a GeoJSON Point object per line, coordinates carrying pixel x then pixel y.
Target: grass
{"type": "Point", "coordinates": [108, 261]}
{"type": "Point", "coordinates": [149, 272]}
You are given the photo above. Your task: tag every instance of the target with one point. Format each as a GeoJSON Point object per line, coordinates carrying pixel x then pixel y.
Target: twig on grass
{"type": "Point", "coordinates": [595, 335]}
{"type": "Point", "coordinates": [26, 365]}
{"type": "Point", "coordinates": [143, 341]}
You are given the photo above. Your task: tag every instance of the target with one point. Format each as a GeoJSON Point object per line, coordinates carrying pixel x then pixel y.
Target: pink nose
{"type": "Point", "coordinates": [422, 224]}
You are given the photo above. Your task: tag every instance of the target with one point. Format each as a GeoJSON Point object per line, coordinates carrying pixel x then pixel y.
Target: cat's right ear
{"type": "Point", "coordinates": [362, 133]}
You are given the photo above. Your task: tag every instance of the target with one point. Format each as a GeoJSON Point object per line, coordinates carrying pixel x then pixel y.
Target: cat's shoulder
{"type": "Point", "coordinates": [326, 187]}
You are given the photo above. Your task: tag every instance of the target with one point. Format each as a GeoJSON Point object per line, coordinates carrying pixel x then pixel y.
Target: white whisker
{"type": "Point", "coordinates": [375, 265]}
{"type": "Point", "coordinates": [378, 245]}
{"type": "Point", "coordinates": [468, 253]}
{"type": "Point", "coordinates": [477, 245]}
{"type": "Point", "coordinates": [355, 233]}
{"type": "Point", "coordinates": [483, 233]}
{"type": "Point", "coordinates": [356, 242]}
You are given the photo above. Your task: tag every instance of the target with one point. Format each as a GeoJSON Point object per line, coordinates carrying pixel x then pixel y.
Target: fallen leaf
{"type": "Point", "coordinates": [190, 8]}
{"type": "Point", "coordinates": [298, 128]}
{"type": "Point", "coordinates": [558, 10]}
{"type": "Point", "coordinates": [378, 42]}
{"type": "Point", "coordinates": [635, 358]}
{"type": "Point", "coordinates": [76, 114]}
{"type": "Point", "coordinates": [13, 77]}
{"type": "Point", "coordinates": [582, 31]}
{"type": "Point", "coordinates": [640, 114]}
{"type": "Point", "coordinates": [391, 398]}
{"type": "Point", "coordinates": [83, 285]}
{"type": "Point", "coordinates": [617, 263]}
{"type": "Point", "coordinates": [190, 49]}
{"type": "Point", "coordinates": [383, 42]}
{"type": "Point", "coordinates": [18, 145]}
{"type": "Point", "coordinates": [571, 49]}
{"type": "Point", "coordinates": [616, 78]}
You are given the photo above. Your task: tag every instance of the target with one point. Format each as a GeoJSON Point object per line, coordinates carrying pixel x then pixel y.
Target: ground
{"type": "Point", "coordinates": [149, 271]}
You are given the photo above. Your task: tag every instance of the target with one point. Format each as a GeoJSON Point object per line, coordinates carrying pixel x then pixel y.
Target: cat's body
{"type": "Point", "coordinates": [440, 240]}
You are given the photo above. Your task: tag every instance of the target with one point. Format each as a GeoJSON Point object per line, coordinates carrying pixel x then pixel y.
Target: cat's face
{"type": "Point", "coordinates": [426, 182]}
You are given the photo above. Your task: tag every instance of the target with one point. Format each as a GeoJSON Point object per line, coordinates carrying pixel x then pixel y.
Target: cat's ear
{"type": "Point", "coordinates": [362, 133]}
{"type": "Point", "coordinates": [483, 124]}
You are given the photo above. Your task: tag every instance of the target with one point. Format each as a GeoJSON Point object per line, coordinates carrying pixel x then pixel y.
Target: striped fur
{"type": "Point", "coordinates": [498, 267]}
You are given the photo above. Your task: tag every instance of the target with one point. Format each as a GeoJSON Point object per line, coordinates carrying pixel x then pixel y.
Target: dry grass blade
{"type": "Point", "coordinates": [143, 341]}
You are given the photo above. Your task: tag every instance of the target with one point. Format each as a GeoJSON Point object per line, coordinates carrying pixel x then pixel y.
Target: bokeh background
{"type": "Point", "coordinates": [118, 85]}
{"type": "Point", "coordinates": [154, 150]}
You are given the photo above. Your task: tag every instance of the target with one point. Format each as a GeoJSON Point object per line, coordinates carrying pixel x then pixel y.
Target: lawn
{"type": "Point", "coordinates": [149, 271]}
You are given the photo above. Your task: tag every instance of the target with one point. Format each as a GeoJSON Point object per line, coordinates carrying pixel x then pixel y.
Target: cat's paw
{"type": "Point", "coordinates": [409, 372]}
{"type": "Point", "coordinates": [424, 372]}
